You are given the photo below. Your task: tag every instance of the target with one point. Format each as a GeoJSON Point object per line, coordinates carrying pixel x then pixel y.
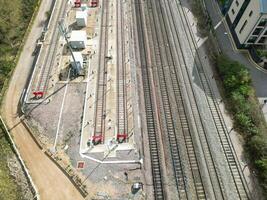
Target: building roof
{"type": "Point", "coordinates": [78, 36]}
{"type": "Point", "coordinates": [263, 6]}
{"type": "Point", "coordinates": [81, 14]}
{"type": "Point", "coordinates": [78, 57]}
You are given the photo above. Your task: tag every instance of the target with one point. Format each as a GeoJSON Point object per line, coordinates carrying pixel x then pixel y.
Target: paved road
{"type": "Point", "coordinates": [52, 184]}
{"type": "Point", "coordinates": [258, 77]}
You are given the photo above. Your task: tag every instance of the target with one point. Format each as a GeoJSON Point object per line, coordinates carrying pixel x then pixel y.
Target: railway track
{"type": "Point", "coordinates": [215, 111]}
{"type": "Point", "coordinates": [100, 114]}
{"type": "Point", "coordinates": [48, 63]}
{"type": "Point", "coordinates": [214, 175]}
{"type": "Point", "coordinates": [165, 62]}
{"type": "Point", "coordinates": [149, 107]}
{"type": "Point", "coordinates": [121, 83]}
{"type": "Point", "coordinates": [171, 64]}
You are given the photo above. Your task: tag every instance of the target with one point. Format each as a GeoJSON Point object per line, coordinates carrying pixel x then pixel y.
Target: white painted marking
{"type": "Point", "coordinates": [111, 161]}
{"type": "Point", "coordinates": [201, 42]}
{"type": "Point", "coordinates": [217, 25]}
{"type": "Point", "coordinates": [85, 103]}
{"type": "Point", "coordinates": [61, 111]}
{"type": "Point", "coordinates": [139, 121]}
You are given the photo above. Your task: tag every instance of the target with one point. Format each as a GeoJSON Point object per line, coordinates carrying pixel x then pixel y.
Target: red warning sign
{"type": "Point", "coordinates": [80, 165]}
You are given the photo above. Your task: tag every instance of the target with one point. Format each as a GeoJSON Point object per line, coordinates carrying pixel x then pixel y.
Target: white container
{"type": "Point", "coordinates": [78, 39]}
{"type": "Point", "coordinates": [81, 18]}
{"type": "Point", "coordinates": [78, 58]}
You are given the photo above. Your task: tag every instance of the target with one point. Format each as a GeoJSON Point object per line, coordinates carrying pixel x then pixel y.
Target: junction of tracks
{"type": "Point", "coordinates": [142, 110]}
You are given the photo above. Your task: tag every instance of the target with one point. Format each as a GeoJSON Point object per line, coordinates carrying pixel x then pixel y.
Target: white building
{"type": "Point", "coordinates": [78, 39]}
{"type": "Point", "coordinates": [78, 58]}
{"type": "Point", "coordinates": [247, 20]}
{"type": "Point", "coordinates": [81, 18]}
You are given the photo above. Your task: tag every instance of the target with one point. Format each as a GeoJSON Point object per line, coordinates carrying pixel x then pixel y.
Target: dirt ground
{"type": "Point", "coordinates": [52, 184]}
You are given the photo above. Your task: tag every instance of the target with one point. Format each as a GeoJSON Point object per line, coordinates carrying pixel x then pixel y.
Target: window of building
{"type": "Point", "coordinates": [263, 22]}
{"type": "Point", "coordinates": [243, 26]}
{"type": "Point", "coordinates": [262, 40]}
{"type": "Point", "coordinates": [251, 12]}
{"type": "Point", "coordinates": [252, 39]}
{"type": "Point", "coordinates": [237, 3]}
{"type": "Point", "coordinates": [265, 33]}
{"type": "Point", "coordinates": [233, 11]}
{"type": "Point", "coordinates": [257, 31]}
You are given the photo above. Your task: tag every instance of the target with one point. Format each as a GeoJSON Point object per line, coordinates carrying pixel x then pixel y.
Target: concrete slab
{"type": "Point", "coordinates": [111, 88]}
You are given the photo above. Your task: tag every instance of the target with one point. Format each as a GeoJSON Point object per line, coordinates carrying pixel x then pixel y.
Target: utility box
{"type": "Point", "coordinates": [78, 58]}
{"type": "Point", "coordinates": [81, 18]}
{"type": "Point", "coordinates": [79, 62]}
{"type": "Point", "coordinates": [78, 39]}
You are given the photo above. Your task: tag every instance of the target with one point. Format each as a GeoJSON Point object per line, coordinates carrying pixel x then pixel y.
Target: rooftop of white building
{"type": "Point", "coordinates": [78, 36]}
{"type": "Point", "coordinates": [81, 14]}
{"type": "Point", "coordinates": [77, 56]}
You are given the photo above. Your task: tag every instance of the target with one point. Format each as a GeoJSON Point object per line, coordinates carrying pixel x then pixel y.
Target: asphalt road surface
{"type": "Point", "coordinates": [52, 184]}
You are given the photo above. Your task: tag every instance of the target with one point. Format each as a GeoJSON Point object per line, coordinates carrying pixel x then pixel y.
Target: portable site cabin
{"type": "Point", "coordinates": [79, 62]}
{"type": "Point", "coordinates": [78, 39]}
{"type": "Point", "coordinates": [81, 18]}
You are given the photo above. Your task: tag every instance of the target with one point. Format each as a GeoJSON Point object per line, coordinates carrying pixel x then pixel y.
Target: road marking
{"type": "Point", "coordinates": [201, 41]}
{"type": "Point", "coordinates": [217, 25]}
{"type": "Point", "coordinates": [61, 111]}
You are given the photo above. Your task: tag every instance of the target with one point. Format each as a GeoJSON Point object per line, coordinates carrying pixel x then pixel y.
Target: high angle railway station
{"type": "Point", "coordinates": [122, 94]}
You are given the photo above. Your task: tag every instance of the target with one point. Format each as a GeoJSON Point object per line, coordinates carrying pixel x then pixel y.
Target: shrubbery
{"type": "Point", "coordinates": [15, 16]}
{"type": "Point", "coordinates": [203, 22]}
{"type": "Point", "coordinates": [248, 117]}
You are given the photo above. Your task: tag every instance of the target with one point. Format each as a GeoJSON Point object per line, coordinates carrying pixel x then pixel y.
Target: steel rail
{"type": "Point", "coordinates": [149, 107]}
{"type": "Point", "coordinates": [121, 91]}
{"type": "Point", "coordinates": [100, 115]}
{"type": "Point", "coordinates": [226, 144]}
{"type": "Point", "coordinates": [167, 111]}
{"type": "Point", "coordinates": [183, 119]}
{"type": "Point", "coordinates": [50, 57]}
{"type": "Point", "coordinates": [201, 133]}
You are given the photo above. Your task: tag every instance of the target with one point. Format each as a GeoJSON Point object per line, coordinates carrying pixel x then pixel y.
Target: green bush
{"type": "Point", "coordinates": [14, 19]}
{"type": "Point", "coordinates": [203, 22]}
{"type": "Point", "coordinates": [15, 16]}
{"type": "Point", "coordinates": [248, 117]}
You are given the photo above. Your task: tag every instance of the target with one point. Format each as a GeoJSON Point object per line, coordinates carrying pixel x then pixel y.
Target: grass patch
{"type": "Point", "coordinates": [248, 117]}
{"type": "Point", "coordinates": [262, 53]}
{"type": "Point", "coordinates": [8, 187]}
{"type": "Point", "coordinates": [15, 17]}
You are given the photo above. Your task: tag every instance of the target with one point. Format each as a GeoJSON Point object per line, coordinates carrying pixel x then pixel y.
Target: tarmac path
{"type": "Point", "coordinates": [51, 182]}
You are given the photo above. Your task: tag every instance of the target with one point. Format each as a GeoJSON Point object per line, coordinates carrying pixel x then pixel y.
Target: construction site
{"type": "Point", "coordinates": [82, 100]}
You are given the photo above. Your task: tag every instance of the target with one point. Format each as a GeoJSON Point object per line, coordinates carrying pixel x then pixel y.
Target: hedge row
{"type": "Point", "coordinates": [248, 118]}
